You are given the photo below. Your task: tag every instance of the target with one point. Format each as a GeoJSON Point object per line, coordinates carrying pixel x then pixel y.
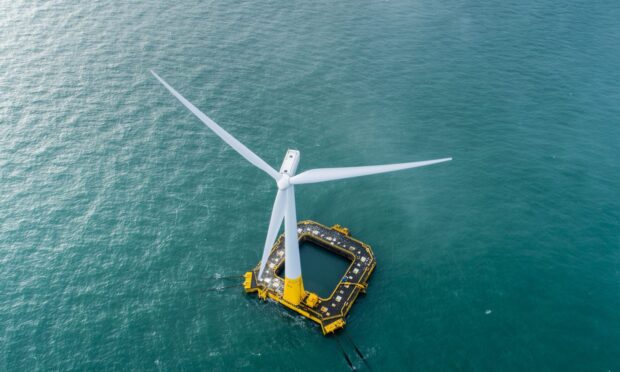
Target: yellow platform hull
{"type": "Point", "coordinates": [329, 313]}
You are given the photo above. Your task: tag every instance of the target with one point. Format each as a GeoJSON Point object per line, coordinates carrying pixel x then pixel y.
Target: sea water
{"type": "Point", "coordinates": [118, 208]}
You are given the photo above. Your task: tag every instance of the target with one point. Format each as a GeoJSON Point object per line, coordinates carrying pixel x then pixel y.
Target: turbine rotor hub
{"type": "Point", "coordinates": [284, 182]}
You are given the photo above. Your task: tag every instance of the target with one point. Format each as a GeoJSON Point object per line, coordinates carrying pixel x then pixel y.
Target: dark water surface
{"type": "Point", "coordinates": [117, 207]}
{"type": "Point", "coordinates": [322, 269]}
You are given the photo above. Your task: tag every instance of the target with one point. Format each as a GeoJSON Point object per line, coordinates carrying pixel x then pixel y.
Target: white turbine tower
{"type": "Point", "coordinates": [284, 204]}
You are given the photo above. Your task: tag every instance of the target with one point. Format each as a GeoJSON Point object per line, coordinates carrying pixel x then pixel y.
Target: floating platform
{"type": "Point", "coordinates": [329, 313]}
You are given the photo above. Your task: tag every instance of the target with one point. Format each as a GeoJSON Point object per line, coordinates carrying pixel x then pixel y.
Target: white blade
{"type": "Point", "coordinates": [330, 174]}
{"type": "Point", "coordinates": [230, 140]}
{"type": "Point", "coordinates": [292, 265]}
{"type": "Point", "coordinates": [277, 214]}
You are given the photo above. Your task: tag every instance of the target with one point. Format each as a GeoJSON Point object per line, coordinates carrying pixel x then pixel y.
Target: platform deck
{"type": "Point", "coordinates": [329, 312]}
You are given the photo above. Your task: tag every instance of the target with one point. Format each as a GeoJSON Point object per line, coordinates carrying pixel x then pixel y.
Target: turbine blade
{"type": "Point", "coordinates": [230, 140]}
{"type": "Point", "coordinates": [330, 174]}
{"type": "Point", "coordinates": [292, 264]}
{"type": "Point", "coordinates": [277, 214]}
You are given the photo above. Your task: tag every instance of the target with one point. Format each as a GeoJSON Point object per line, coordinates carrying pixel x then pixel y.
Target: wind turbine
{"type": "Point", "coordinates": [284, 204]}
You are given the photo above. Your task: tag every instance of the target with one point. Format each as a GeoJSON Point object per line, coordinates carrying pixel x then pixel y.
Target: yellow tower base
{"type": "Point", "coordinates": [294, 290]}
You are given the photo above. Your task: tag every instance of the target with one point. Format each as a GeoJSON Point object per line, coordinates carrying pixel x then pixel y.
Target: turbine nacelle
{"type": "Point", "coordinates": [288, 169]}
{"type": "Point", "coordinates": [290, 162]}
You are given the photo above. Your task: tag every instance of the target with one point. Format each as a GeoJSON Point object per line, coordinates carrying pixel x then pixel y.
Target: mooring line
{"type": "Point", "coordinates": [357, 350]}
{"type": "Point", "coordinates": [345, 354]}
{"type": "Point", "coordinates": [225, 277]}
{"type": "Point", "coordinates": [215, 289]}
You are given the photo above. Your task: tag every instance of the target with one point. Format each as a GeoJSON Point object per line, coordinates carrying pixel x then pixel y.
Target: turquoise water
{"type": "Point", "coordinates": [117, 207]}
